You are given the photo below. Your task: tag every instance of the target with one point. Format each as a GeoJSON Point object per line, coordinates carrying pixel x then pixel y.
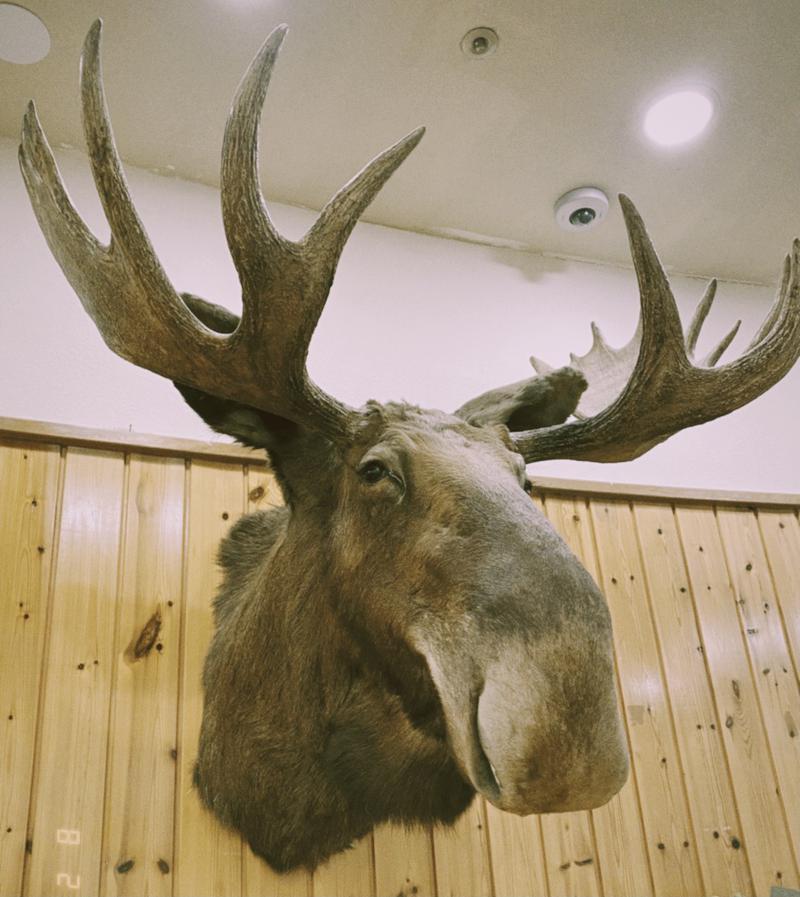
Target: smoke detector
{"type": "Point", "coordinates": [581, 209]}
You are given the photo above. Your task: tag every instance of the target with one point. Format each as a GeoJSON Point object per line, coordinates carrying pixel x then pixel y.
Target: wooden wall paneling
{"type": "Point", "coordinates": [72, 740]}
{"type": "Point", "coordinates": [122, 542]}
{"type": "Point", "coordinates": [257, 877]}
{"type": "Point", "coordinates": [348, 874]}
{"type": "Point", "coordinates": [763, 833]}
{"type": "Point", "coordinates": [140, 790]}
{"type": "Point", "coordinates": [461, 855]}
{"type": "Point", "coordinates": [668, 829]}
{"type": "Point", "coordinates": [29, 493]}
{"type": "Point", "coordinates": [622, 861]}
{"type": "Point", "coordinates": [404, 862]}
{"type": "Point", "coordinates": [208, 858]}
{"type": "Point", "coordinates": [774, 674]}
{"type": "Point", "coordinates": [568, 842]}
{"type": "Point", "coordinates": [780, 531]}
{"type": "Point", "coordinates": [518, 860]}
{"type": "Point", "coordinates": [572, 869]}
{"type": "Point", "coordinates": [711, 800]}
{"type": "Point", "coordinates": [263, 491]}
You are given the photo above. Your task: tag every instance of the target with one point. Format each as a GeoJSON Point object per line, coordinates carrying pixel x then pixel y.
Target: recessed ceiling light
{"type": "Point", "coordinates": [23, 36]}
{"type": "Point", "coordinates": [679, 117]}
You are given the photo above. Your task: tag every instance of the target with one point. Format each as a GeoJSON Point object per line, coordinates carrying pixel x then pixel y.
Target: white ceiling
{"type": "Point", "coordinates": [558, 105]}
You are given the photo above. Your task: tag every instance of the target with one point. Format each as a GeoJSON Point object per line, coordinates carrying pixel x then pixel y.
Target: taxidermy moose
{"type": "Point", "coordinates": [409, 630]}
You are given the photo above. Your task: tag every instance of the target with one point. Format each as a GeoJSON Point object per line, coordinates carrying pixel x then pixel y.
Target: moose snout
{"type": "Point", "coordinates": [550, 745]}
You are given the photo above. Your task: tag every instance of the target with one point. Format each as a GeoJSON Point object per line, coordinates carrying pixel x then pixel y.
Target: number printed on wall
{"type": "Point", "coordinates": [68, 836]}
{"type": "Point", "coordinates": [72, 838]}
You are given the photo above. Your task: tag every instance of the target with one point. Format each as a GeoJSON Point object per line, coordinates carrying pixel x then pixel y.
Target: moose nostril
{"type": "Point", "coordinates": [484, 772]}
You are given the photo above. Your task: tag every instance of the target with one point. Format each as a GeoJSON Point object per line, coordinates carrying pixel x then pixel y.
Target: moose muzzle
{"type": "Point", "coordinates": [548, 741]}
{"type": "Point", "coordinates": [533, 720]}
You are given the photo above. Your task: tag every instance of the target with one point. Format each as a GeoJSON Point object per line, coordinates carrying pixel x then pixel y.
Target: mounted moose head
{"type": "Point", "coordinates": [409, 629]}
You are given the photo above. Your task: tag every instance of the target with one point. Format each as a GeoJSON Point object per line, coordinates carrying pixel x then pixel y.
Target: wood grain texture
{"type": "Point", "coordinates": [140, 788]}
{"type": "Point", "coordinates": [29, 494]}
{"type": "Point", "coordinates": [67, 828]}
{"type": "Point", "coordinates": [623, 861]}
{"type": "Point", "coordinates": [348, 874]}
{"type": "Point", "coordinates": [404, 862]}
{"type": "Point", "coordinates": [764, 835]}
{"type": "Point", "coordinates": [774, 676]}
{"type": "Point", "coordinates": [31, 431]}
{"type": "Point", "coordinates": [125, 535]}
{"type": "Point", "coordinates": [518, 859]}
{"type": "Point", "coordinates": [208, 858]}
{"type": "Point", "coordinates": [780, 531]}
{"type": "Point", "coordinates": [668, 828]}
{"type": "Point", "coordinates": [461, 854]}
{"type": "Point", "coordinates": [711, 801]}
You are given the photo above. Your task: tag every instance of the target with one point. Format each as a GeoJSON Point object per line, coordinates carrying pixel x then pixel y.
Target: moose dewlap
{"type": "Point", "coordinates": [409, 630]}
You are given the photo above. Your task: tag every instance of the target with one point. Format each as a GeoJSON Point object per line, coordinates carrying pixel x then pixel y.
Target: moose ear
{"type": "Point", "coordinates": [528, 404]}
{"type": "Point", "coordinates": [250, 426]}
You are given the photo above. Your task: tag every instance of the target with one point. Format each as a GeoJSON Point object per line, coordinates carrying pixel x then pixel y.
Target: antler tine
{"type": "Point", "coordinates": [103, 276]}
{"type": "Point", "coordinates": [252, 239]}
{"type": "Point", "coordinates": [660, 320]}
{"type": "Point", "coordinates": [127, 233]}
{"type": "Point", "coordinates": [665, 391]}
{"type": "Point", "coordinates": [284, 284]}
{"type": "Point", "coordinates": [700, 315]}
{"type": "Point", "coordinates": [336, 221]}
{"type": "Point", "coordinates": [773, 314]}
{"type": "Point", "coordinates": [89, 266]}
{"type": "Point", "coordinates": [67, 236]}
{"type": "Point", "coordinates": [698, 319]}
{"type": "Point", "coordinates": [771, 358]}
{"type": "Point", "coordinates": [716, 353]}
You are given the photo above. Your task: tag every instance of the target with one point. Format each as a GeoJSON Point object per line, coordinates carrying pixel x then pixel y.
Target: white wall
{"type": "Point", "coordinates": [413, 317]}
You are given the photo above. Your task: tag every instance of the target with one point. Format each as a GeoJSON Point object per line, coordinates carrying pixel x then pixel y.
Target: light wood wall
{"type": "Point", "coordinates": [106, 575]}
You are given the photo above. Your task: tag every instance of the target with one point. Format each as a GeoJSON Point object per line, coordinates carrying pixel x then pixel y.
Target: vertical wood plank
{"type": "Point", "coordinates": [667, 825]}
{"type": "Point", "coordinates": [28, 499]}
{"type": "Point", "coordinates": [711, 799]}
{"type": "Point", "coordinates": [404, 862]}
{"type": "Point", "coordinates": [140, 795]}
{"type": "Point", "coordinates": [780, 531]}
{"type": "Point", "coordinates": [571, 855]}
{"type": "Point", "coordinates": [263, 491]}
{"type": "Point", "coordinates": [348, 874]}
{"type": "Point", "coordinates": [763, 835]}
{"type": "Point", "coordinates": [515, 846]}
{"type": "Point", "coordinates": [68, 819]}
{"type": "Point", "coordinates": [208, 858]}
{"type": "Point", "coordinates": [775, 678]}
{"type": "Point", "coordinates": [461, 855]}
{"type": "Point", "coordinates": [623, 861]}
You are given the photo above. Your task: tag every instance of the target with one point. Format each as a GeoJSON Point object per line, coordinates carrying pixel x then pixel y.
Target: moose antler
{"type": "Point", "coordinates": [641, 394]}
{"type": "Point", "coordinates": [284, 284]}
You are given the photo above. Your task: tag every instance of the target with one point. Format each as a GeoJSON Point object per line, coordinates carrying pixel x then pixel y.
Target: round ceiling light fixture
{"type": "Point", "coordinates": [679, 117]}
{"type": "Point", "coordinates": [24, 37]}
{"type": "Point", "coordinates": [479, 42]}
{"type": "Point", "coordinates": [581, 209]}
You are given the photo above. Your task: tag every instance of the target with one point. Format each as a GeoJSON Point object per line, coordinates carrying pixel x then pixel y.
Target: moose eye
{"type": "Point", "coordinates": [373, 472]}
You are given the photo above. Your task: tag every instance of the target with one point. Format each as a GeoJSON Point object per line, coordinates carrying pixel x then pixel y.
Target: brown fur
{"type": "Point", "coordinates": [322, 717]}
